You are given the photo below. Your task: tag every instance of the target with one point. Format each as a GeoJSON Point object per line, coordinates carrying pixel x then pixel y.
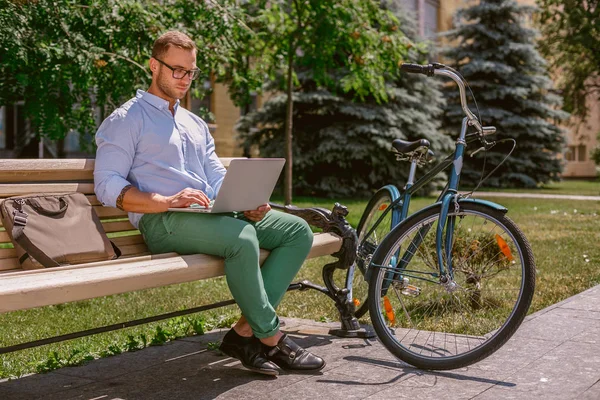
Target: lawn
{"type": "Point", "coordinates": [564, 236]}
{"type": "Point", "coordinates": [564, 187]}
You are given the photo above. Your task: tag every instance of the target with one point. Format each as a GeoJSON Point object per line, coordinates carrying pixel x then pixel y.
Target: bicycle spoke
{"type": "Point", "coordinates": [437, 319]}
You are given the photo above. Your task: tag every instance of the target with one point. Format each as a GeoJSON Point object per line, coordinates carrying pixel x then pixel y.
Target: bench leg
{"type": "Point", "coordinates": [333, 221]}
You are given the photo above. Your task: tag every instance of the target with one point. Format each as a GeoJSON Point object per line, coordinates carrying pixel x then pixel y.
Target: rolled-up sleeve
{"type": "Point", "coordinates": [116, 141]}
{"type": "Point", "coordinates": [213, 167]}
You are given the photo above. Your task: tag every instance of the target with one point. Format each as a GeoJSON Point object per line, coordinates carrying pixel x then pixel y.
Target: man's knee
{"type": "Point", "coordinates": [300, 232]}
{"type": "Point", "coordinates": [244, 245]}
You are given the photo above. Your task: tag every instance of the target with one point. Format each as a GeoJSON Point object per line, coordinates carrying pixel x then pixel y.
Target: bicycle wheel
{"type": "Point", "coordinates": [434, 325]}
{"type": "Point", "coordinates": [356, 281]}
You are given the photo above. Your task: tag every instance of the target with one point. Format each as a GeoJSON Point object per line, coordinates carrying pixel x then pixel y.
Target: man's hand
{"type": "Point", "coordinates": [258, 214]}
{"type": "Point", "coordinates": [186, 198]}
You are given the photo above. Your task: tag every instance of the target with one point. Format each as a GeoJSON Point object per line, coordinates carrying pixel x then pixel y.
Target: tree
{"type": "Point", "coordinates": [342, 144]}
{"type": "Point", "coordinates": [68, 60]}
{"type": "Point", "coordinates": [496, 53]}
{"type": "Point", "coordinates": [348, 45]}
{"type": "Point", "coordinates": [571, 40]}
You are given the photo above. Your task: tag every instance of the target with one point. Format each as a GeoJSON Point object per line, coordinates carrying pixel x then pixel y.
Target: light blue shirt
{"type": "Point", "coordinates": [143, 144]}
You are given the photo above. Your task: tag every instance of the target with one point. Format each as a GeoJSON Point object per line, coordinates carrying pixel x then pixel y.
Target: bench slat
{"type": "Point", "coordinates": [72, 283]}
{"type": "Point", "coordinates": [109, 212]}
{"type": "Point", "coordinates": [128, 240]}
{"type": "Point", "coordinates": [9, 264]}
{"type": "Point", "coordinates": [8, 189]}
{"type": "Point", "coordinates": [54, 170]}
{"type": "Point", "coordinates": [42, 170]}
{"type": "Point", "coordinates": [118, 226]}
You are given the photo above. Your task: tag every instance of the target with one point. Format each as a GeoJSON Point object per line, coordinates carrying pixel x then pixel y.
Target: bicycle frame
{"type": "Point", "coordinates": [448, 196]}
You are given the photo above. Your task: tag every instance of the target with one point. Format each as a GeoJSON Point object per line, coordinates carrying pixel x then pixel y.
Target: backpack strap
{"type": "Point", "coordinates": [19, 223]}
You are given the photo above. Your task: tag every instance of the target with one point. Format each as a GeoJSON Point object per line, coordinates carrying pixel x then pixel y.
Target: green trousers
{"type": "Point", "coordinates": [256, 290]}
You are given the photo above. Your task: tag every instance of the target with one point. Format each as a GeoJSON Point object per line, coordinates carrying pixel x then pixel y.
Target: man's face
{"type": "Point", "coordinates": [163, 76]}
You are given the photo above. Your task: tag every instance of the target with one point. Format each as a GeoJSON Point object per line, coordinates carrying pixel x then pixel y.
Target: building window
{"type": "Point", "coordinates": [431, 18]}
{"type": "Point", "coordinates": [576, 153]}
{"type": "Point", "coordinates": [570, 154]}
{"type": "Point", "coordinates": [581, 153]}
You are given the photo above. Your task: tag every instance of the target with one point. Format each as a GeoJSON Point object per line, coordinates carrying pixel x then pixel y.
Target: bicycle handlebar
{"type": "Point", "coordinates": [418, 69]}
{"type": "Point", "coordinates": [441, 69]}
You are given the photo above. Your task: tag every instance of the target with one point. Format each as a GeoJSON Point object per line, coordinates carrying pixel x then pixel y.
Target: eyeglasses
{"type": "Point", "coordinates": [180, 73]}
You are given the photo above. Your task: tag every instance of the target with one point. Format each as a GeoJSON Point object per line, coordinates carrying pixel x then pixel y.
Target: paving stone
{"type": "Point", "coordinates": [592, 336]}
{"type": "Point", "coordinates": [562, 312]}
{"type": "Point", "coordinates": [496, 393]}
{"type": "Point", "coordinates": [434, 387]}
{"type": "Point", "coordinates": [40, 386]}
{"type": "Point", "coordinates": [330, 386]}
{"type": "Point", "coordinates": [168, 375]}
{"type": "Point", "coordinates": [568, 370]}
{"type": "Point", "coordinates": [592, 393]}
{"type": "Point", "coordinates": [110, 367]}
{"type": "Point", "coordinates": [217, 383]}
{"type": "Point", "coordinates": [590, 302]}
{"type": "Point", "coordinates": [374, 369]}
{"type": "Point", "coordinates": [338, 351]}
{"type": "Point", "coordinates": [516, 354]}
{"type": "Point", "coordinates": [551, 328]}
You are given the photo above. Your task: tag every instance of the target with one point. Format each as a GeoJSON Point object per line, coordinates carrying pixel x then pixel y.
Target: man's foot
{"type": "Point", "coordinates": [249, 351]}
{"type": "Point", "coordinates": [289, 356]}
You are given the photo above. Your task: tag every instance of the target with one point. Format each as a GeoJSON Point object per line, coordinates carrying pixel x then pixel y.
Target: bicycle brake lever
{"type": "Point", "coordinates": [478, 150]}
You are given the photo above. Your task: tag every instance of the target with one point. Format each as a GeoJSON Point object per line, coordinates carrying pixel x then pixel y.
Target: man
{"type": "Point", "coordinates": [152, 155]}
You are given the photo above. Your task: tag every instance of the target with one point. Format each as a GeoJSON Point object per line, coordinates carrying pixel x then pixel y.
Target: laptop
{"type": "Point", "coordinates": [248, 184]}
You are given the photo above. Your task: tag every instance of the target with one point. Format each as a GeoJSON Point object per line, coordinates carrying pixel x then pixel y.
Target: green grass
{"type": "Point", "coordinates": [561, 233]}
{"type": "Point", "coordinates": [564, 187]}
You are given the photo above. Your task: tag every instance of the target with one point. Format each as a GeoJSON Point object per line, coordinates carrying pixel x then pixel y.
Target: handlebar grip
{"type": "Point", "coordinates": [488, 130]}
{"type": "Point", "coordinates": [418, 69]}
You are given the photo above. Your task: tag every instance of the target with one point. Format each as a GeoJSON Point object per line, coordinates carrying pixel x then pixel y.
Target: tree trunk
{"type": "Point", "coordinates": [287, 189]}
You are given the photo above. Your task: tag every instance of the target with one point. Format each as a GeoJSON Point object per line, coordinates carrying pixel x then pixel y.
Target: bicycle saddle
{"type": "Point", "coordinates": [402, 146]}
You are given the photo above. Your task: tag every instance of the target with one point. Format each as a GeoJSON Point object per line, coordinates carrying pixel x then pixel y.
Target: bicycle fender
{"type": "Point", "coordinates": [490, 204]}
{"type": "Point", "coordinates": [486, 203]}
{"type": "Point", "coordinates": [394, 192]}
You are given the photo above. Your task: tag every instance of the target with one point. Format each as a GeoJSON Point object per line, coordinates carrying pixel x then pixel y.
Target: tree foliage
{"type": "Point", "coordinates": [342, 139]}
{"type": "Point", "coordinates": [348, 45]}
{"type": "Point", "coordinates": [571, 40]}
{"type": "Point", "coordinates": [495, 51]}
{"type": "Point", "coordinates": [67, 60]}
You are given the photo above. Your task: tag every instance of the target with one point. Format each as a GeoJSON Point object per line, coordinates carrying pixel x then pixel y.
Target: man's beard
{"type": "Point", "coordinates": [166, 89]}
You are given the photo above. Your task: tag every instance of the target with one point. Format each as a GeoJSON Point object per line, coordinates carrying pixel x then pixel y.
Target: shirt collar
{"type": "Point", "coordinates": [155, 101]}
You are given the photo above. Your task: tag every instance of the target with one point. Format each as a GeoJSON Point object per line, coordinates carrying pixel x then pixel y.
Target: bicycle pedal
{"type": "Point", "coordinates": [411, 290]}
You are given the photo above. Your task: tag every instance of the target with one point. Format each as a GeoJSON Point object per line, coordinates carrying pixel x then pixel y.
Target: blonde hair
{"type": "Point", "coordinates": [172, 38]}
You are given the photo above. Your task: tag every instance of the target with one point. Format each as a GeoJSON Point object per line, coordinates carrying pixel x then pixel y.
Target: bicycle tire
{"type": "Point", "coordinates": [485, 313]}
{"type": "Point", "coordinates": [356, 281]}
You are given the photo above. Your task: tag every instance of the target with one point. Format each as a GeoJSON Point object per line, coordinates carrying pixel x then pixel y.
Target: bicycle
{"type": "Point", "coordinates": [450, 284]}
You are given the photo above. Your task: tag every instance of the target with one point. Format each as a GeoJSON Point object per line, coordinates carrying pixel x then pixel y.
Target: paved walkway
{"type": "Point", "coordinates": [554, 355]}
{"type": "Point", "coordinates": [536, 196]}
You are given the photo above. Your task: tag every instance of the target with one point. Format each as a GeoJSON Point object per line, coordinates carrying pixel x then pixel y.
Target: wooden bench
{"type": "Point", "coordinates": [136, 269]}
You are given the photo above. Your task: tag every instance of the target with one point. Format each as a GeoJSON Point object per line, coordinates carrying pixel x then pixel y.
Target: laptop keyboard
{"type": "Point", "coordinates": [196, 205]}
